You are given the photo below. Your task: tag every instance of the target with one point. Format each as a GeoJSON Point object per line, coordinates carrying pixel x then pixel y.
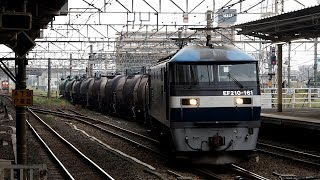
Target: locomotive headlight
{"type": "Point", "coordinates": [193, 102]}
{"type": "Point", "coordinates": [190, 102]}
{"type": "Point", "coordinates": [238, 100]}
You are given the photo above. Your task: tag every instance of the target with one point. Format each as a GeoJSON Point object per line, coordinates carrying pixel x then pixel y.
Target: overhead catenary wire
{"type": "Point", "coordinates": [230, 4]}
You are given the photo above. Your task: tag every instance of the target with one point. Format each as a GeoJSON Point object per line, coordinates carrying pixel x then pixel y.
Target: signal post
{"type": "Point", "coordinates": [17, 24]}
{"type": "Point", "coordinates": [21, 113]}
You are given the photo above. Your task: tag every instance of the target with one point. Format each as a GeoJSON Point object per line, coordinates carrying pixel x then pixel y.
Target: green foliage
{"type": "Point", "coordinates": [43, 101]}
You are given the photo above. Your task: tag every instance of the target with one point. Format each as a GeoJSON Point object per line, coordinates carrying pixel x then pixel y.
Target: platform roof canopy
{"type": "Point", "coordinates": [22, 20]}
{"type": "Point", "coordinates": [41, 11]}
{"type": "Point", "coordinates": [301, 24]}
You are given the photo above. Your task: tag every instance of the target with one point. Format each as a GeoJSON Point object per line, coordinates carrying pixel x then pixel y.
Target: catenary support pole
{"type": "Point", "coordinates": [289, 64]}
{"type": "Point", "coordinates": [49, 78]}
{"type": "Point", "coordinates": [21, 113]}
{"type": "Point", "coordinates": [70, 65]}
{"type": "Point", "coordinates": [279, 52]}
{"type": "Point", "coordinates": [315, 66]}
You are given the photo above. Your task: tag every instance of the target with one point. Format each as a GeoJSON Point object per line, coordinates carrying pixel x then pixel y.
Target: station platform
{"type": "Point", "coordinates": [307, 118]}
{"type": "Point", "coordinates": [7, 139]}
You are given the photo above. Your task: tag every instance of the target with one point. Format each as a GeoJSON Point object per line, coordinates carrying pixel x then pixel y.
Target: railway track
{"type": "Point", "coordinates": [148, 169]}
{"type": "Point", "coordinates": [138, 140]}
{"type": "Point", "coordinates": [231, 171]}
{"type": "Point", "coordinates": [295, 155]}
{"type": "Point", "coordinates": [240, 172]}
{"type": "Point", "coordinates": [65, 154]}
{"type": "Point", "coordinates": [245, 173]}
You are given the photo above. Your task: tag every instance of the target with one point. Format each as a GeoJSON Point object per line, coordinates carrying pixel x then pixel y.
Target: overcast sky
{"type": "Point", "coordinates": [124, 15]}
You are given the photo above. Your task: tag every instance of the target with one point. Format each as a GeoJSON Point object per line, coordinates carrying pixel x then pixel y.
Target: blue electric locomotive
{"type": "Point", "coordinates": [208, 100]}
{"type": "Point", "coordinates": [204, 100]}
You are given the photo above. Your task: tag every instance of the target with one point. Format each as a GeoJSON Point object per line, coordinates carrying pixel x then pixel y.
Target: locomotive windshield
{"type": "Point", "coordinates": [214, 76]}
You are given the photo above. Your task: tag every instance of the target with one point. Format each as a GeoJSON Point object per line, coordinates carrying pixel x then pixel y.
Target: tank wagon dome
{"type": "Point", "coordinates": [204, 54]}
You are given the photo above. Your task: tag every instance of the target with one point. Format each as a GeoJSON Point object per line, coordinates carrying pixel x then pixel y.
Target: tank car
{"type": "Point", "coordinates": [68, 89]}
{"type": "Point", "coordinates": [124, 95]}
{"type": "Point", "coordinates": [141, 98]}
{"type": "Point", "coordinates": [84, 91]}
{"type": "Point", "coordinates": [102, 94]}
{"type": "Point", "coordinates": [108, 97]}
{"type": "Point", "coordinates": [94, 92]}
{"type": "Point", "coordinates": [207, 100]}
{"type": "Point", "coordinates": [75, 92]}
{"type": "Point", "coordinates": [62, 86]}
{"type": "Point", "coordinates": [65, 87]}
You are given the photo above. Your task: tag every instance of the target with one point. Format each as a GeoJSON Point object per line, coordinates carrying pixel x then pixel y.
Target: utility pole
{"type": "Point", "coordinates": [49, 78]}
{"type": "Point", "coordinates": [279, 6]}
{"type": "Point", "coordinates": [209, 24]}
{"type": "Point", "coordinates": [90, 63]}
{"type": "Point", "coordinates": [289, 59]}
{"type": "Point", "coordinates": [21, 63]}
{"type": "Point", "coordinates": [8, 79]}
{"type": "Point", "coordinates": [70, 64]}
{"type": "Point", "coordinates": [279, 48]}
{"type": "Point", "coordinates": [315, 67]}
{"type": "Point", "coordinates": [21, 84]}
{"type": "Point", "coordinates": [271, 63]}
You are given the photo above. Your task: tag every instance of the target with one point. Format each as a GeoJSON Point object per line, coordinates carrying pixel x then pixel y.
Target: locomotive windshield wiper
{"type": "Point", "coordinates": [195, 82]}
{"type": "Point", "coordinates": [235, 80]}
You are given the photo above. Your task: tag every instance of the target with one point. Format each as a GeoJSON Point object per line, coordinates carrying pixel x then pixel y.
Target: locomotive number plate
{"type": "Point", "coordinates": [237, 93]}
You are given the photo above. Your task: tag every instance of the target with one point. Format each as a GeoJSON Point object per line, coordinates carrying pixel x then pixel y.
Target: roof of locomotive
{"type": "Point", "coordinates": [204, 54]}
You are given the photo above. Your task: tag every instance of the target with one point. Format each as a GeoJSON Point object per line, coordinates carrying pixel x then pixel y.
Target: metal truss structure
{"type": "Point", "coordinates": [112, 35]}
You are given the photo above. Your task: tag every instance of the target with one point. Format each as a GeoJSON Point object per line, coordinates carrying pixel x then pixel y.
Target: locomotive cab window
{"type": "Point", "coordinates": [206, 78]}
{"type": "Point", "coordinates": [241, 72]}
{"type": "Point", "coordinates": [192, 74]}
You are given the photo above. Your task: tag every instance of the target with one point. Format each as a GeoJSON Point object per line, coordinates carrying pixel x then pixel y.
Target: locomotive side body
{"type": "Point", "coordinates": [158, 94]}
{"type": "Point", "coordinates": [210, 101]}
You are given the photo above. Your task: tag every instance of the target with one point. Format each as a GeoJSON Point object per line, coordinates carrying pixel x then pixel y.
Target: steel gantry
{"type": "Point", "coordinates": [127, 33]}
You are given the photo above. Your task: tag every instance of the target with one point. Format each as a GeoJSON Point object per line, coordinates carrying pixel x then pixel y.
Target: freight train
{"type": "Point", "coordinates": [204, 99]}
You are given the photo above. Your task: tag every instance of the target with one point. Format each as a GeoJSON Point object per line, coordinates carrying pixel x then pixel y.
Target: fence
{"type": "Point", "coordinates": [291, 97]}
{"type": "Point", "coordinates": [31, 172]}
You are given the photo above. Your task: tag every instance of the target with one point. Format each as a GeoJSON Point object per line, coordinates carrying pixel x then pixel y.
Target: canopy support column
{"type": "Point", "coordinates": [279, 54]}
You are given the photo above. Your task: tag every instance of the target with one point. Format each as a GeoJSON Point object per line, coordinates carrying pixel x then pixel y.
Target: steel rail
{"type": "Point", "coordinates": [50, 151]}
{"type": "Point", "coordinates": [114, 126]}
{"type": "Point", "coordinates": [64, 114]}
{"type": "Point", "coordinates": [209, 173]}
{"type": "Point", "coordinates": [107, 131]}
{"type": "Point", "coordinates": [288, 157]}
{"type": "Point", "coordinates": [289, 150]}
{"type": "Point", "coordinates": [72, 146]}
{"type": "Point", "coordinates": [247, 173]}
